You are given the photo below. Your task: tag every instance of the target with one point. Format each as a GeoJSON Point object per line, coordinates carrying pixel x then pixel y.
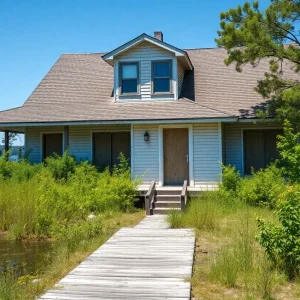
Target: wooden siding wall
{"type": "Point", "coordinates": [145, 154]}
{"type": "Point", "coordinates": [143, 53]}
{"type": "Point", "coordinates": [206, 154]}
{"type": "Point", "coordinates": [233, 142]}
{"type": "Point", "coordinates": [180, 79]}
{"type": "Point", "coordinates": [33, 142]}
{"type": "Point", "coordinates": [80, 139]}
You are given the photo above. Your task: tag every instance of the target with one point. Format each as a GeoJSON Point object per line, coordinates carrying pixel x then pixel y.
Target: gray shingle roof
{"type": "Point", "coordinates": [79, 87]}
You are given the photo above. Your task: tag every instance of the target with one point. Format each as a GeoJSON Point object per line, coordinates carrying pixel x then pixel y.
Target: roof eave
{"type": "Point", "coordinates": [109, 122]}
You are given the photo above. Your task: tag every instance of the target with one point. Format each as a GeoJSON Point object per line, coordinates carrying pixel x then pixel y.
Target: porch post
{"type": "Point", "coordinates": [66, 137]}
{"type": "Point", "coordinates": [6, 140]}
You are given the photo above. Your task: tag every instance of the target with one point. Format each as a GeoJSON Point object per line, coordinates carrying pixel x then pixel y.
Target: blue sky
{"type": "Point", "coordinates": [34, 33]}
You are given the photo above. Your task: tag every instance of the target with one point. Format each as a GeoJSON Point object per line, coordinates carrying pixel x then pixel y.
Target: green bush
{"type": "Point", "coordinates": [231, 178]}
{"type": "Point", "coordinates": [5, 166]}
{"type": "Point", "coordinates": [282, 242]}
{"type": "Point", "coordinates": [61, 167]}
{"type": "Point", "coordinates": [262, 188]}
{"type": "Point", "coordinates": [289, 149]}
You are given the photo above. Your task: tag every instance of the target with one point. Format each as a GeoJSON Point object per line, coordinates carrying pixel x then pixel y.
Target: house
{"type": "Point", "coordinates": [177, 114]}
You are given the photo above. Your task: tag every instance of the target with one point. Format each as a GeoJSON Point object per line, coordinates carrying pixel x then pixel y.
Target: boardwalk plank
{"type": "Point", "coordinates": [149, 261]}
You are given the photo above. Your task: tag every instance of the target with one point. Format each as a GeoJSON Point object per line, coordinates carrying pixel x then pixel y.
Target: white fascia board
{"type": "Point", "coordinates": [171, 121]}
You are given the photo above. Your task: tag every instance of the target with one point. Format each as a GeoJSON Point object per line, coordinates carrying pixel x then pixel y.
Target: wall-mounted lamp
{"type": "Point", "coordinates": [146, 136]}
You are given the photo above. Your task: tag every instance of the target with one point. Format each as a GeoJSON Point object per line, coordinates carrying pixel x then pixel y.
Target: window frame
{"type": "Point", "coordinates": [170, 62]}
{"type": "Point", "coordinates": [135, 63]}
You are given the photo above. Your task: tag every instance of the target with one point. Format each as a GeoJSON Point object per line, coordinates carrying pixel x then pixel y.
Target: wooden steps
{"type": "Point", "coordinates": [162, 200]}
{"type": "Point", "coordinates": [166, 201]}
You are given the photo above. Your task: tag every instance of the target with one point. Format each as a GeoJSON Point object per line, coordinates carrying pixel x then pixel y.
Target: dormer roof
{"type": "Point", "coordinates": [181, 55]}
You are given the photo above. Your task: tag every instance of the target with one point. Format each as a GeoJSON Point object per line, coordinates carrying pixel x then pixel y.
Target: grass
{"type": "Point", "coordinates": [65, 260]}
{"type": "Point", "coordinates": [229, 263]}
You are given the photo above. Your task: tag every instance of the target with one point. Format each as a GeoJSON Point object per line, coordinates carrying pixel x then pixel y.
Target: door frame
{"type": "Point", "coordinates": [161, 151]}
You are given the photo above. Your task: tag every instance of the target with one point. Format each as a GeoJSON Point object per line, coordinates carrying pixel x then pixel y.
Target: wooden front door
{"type": "Point", "coordinates": [176, 160]}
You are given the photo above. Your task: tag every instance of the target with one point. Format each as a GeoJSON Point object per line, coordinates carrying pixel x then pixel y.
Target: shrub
{"type": "Point", "coordinates": [5, 166]}
{"type": "Point", "coordinates": [231, 178]}
{"type": "Point", "coordinates": [263, 188]}
{"type": "Point", "coordinates": [282, 242]}
{"type": "Point", "coordinates": [61, 167]}
{"type": "Point", "coordinates": [289, 149]}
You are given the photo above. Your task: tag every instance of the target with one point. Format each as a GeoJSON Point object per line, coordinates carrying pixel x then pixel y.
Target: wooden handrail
{"type": "Point", "coordinates": [184, 195]}
{"type": "Point", "coordinates": [149, 198]}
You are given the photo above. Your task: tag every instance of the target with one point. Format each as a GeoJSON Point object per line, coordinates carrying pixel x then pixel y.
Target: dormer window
{"type": "Point", "coordinates": [129, 78]}
{"type": "Point", "coordinates": [161, 76]}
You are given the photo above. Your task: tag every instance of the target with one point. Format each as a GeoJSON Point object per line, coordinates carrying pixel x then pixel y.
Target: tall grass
{"type": "Point", "coordinates": [37, 200]}
{"type": "Point", "coordinates": [226, 230]}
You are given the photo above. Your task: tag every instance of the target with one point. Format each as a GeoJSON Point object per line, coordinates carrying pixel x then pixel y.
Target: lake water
{"type": "Point", "coordinates": [26, 257]}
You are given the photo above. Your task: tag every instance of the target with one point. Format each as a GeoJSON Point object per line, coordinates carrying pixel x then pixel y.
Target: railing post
{"type": "Point", "coordinates": [147, 205]}
{"type": "Point", "coordinates": [183, 197]}
{"type": "Point", "coordinates": [149, 198]}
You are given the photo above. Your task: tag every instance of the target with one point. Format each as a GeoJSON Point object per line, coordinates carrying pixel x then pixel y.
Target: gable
{"type": "Point", "coordinates": [146, 51]}
{"type": "Point", "coordinates": [181, 55]}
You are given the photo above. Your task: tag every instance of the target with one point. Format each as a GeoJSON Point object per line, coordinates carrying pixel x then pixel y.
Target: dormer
{"type": "Point", "coordinates": [147, 69]}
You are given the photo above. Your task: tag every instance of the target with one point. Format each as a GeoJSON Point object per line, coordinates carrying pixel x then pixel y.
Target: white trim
{"type": "Point", "coordinates": [242, 142]}
{"type": "Point", "coordinates": [122, 122]}
{"type": "Point", "coordinates": [131, 150]}
{"type": "Point", "coordinates": [42, 145]}
{"type": "Point", "coordinates": [160, 155]}
{"type": "Point", "coordinates": [191, 155]}
{"type": "Point", "coordinates": [175, 78]}
{"type": "Point", "coordinates": [220, 149]}
{"type": "Point", "coordinates": [161, 151]}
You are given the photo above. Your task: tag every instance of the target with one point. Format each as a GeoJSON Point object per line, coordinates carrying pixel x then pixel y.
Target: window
{"type": "Point", "coordinates": [161, 76]}
{"type": "Point", "coordinates": [129, 78]}
{"type": "Point", "coordinates": [108, 146]}
{"type": "Point", "coordinates": [52, 143]}
{"type": "Point", "coordinates": [259, 149]}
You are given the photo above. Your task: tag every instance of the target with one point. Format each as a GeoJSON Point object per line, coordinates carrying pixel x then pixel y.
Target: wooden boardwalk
{"type": "Point", "coordinates": [149, 261]}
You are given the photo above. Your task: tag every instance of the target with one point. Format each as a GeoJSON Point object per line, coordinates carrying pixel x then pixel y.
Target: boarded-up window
{"type": "Point", "coordinates": [52, 143]}
{"type": "Point", "coordinates": [260, 149]}
{"type": "Point", "coordinates": [108, 146]}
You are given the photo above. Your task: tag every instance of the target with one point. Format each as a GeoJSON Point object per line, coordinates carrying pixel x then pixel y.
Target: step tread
{"type": "Point", "coordinates": [167, 202]}
{"type": "Point", "coordinates": [166, 208]}
{"type": "Point", "coordinates": [168, 196]}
